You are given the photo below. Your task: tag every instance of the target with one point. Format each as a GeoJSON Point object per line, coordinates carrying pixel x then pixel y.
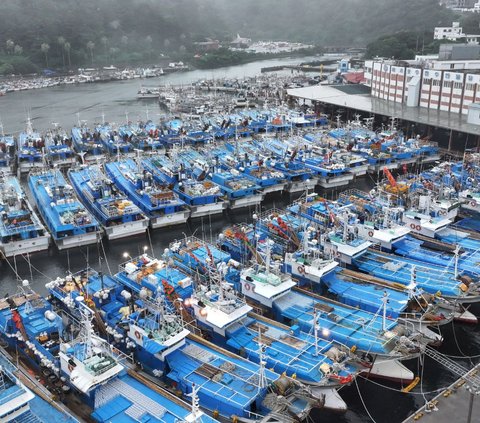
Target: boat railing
{"type": "Point", "coordinates": [217, 393]}
{"type": "Point", "coordinates": [20, 229]}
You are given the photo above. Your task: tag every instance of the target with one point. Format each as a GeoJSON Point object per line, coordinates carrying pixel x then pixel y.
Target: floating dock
{"type": "Point", "coordinates": [460, 402]}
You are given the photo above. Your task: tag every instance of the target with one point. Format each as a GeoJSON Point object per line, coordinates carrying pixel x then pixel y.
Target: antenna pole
{"type": "Point", "coordinates": [315, 330]}
{"type": "Point", "coordinates": [385, 302]}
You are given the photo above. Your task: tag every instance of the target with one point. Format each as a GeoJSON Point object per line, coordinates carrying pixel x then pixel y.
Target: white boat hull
{"type": "Point", "coordinates": [252, 200]}
{"type": "Point", "coordinates": [379, 167]}
{"type": "Point", "coordinates": [429, 159]}
{"type": "Point", "coordinates": [27, 167]}
{"type": "Point", "coordinates": [65, 162]}
{"type": "Point", "coordinates": [126, 229]}
{"type": "Point", "coordinates": [333, 401]}
{"type": "Point", "coordinates": [359, 170]}
{"type": "Point", "coordinates": [77, 240]}
{"type": "Point", "coordinates": [302, 185]}
{"type": "Point", "coordinates": [337, 181]}
{"type": "Point", "coordinates": [25, 246]}
{"type": "Point", "coordinates": [389, 369]}
{"type": "Point", "coordinates": [169, 219]}
{"type": "Point", "coordinates": [274, 188]}
{"type": "Point", "coordinates": [465, 316]}
{"type": "Point", "coordinates": [207, 209]}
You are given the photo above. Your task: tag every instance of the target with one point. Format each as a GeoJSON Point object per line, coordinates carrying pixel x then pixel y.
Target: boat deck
{"type": "Point", "coordinates": [349, 326]}
{"type": "Point", "coordinates": [399, 269]}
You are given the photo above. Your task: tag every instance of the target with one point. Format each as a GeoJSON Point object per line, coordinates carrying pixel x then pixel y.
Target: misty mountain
{"type": "Point", "coordinates": [68, 33]}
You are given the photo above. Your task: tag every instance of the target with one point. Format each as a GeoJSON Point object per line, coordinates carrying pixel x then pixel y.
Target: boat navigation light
{"type": "Point", "coordinates": [325, 332]}
{"type": "Point", "coordinates": [126, 255]}
{"type": "Point", "coordinates": [145, 248]}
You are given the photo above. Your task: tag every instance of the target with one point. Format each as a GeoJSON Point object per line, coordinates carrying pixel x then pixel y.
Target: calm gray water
{"type": "Point", "coordinates": [115, 99]}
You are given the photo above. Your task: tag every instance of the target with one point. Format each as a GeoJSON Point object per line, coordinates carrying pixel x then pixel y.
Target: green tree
{"type": "Point", "coordinates": [61, 42]}
{"type": "Point", "coordinates": [67, 47]}
{"type": "Point", "coordinates": [45, 48]}
{"type": "Point", "coordinates": [10, 44]}
{"type": "Point", "coordinates": [91, 47]}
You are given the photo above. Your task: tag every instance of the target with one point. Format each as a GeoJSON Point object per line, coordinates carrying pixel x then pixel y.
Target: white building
{"type": "Point", "coordinates": [454, 33]}
{"type": "Point", "coordinates": [441, 85]}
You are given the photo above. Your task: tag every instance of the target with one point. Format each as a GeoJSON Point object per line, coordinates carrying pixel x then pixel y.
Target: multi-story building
{"type": "Point", "coordinates": [443, 85]}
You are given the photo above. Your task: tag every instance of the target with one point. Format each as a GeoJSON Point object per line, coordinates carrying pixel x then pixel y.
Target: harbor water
{"type": "Point", "coordinates": [367, 400]}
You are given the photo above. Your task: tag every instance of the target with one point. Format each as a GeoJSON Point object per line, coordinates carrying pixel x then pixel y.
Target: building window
{"type": "Point", "coordinates": [452, 66]}
{"type": "Point", "coordinates": [447, 84]}
{"type": "Point", "coordinates": [469, 87]}
{"type": "Point", "coordinates": [436, 83]}
{"type": "Point", "coordinates": [457, 85]}
{"type": "Point", "coordinates": [426, 81]}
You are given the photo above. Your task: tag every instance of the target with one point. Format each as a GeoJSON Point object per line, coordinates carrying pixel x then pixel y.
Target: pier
{"type": "Point", "coordinates": [457, 403]}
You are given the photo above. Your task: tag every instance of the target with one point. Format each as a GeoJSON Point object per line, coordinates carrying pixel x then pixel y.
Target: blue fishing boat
{"type": "Point", "coordinates": [69, 356]}
{"type": "Point", "coordinates": [330, 173]}
{"type": "Point", "coordinates": [299, 177]}
{"type": "Point", "coordinates": [240, 190]}
{"type": "Point", "coordinates": [30, 147]}
{"type": "Point", "coordinates": [232, 385]}
{"type": "Point", "coordinates": [21, 404]}
{"type": "Point", "coordinates": [21, 231]}
{"type": "Point", "coordinates": [431, 278]}
{"type": "Point", "coordinates": [7, 151]}
{"type": "Point", "coordinates": [410, 306]}
{"type": "Point", "coordinates": [203, 197]}
{"type": "Point", "coordinates": [69, 222]}
{"type": "Point", "coordinates": [246, 158]}
{"type": "Point", "coordinates": [162, 349]}
{"type": "Point", "coordinates": [115, 212]}
{"type": "Point", "coordinates": [340, 238]}
{"type": "Point", "coordinates": [229, 322]}
{"type": "Point", "coordinates": [58, 148]}
{"type": "Point", "coordinates": [377, 222]}
{"type": "Point", "coordinates": [143, 136]}
{"type": "Point", "coordinates": [272, 291]}
{"type": "Point", "coordinates": [87, 144]}
{"type": "Point", "coordinates": [452, 258]}
{"type": "Point", "coordinates": [114, 143]}
{"type": "Point", "coordinates": [158, 201]}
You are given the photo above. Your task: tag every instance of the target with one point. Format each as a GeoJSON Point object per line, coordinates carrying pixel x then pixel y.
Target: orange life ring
{"type": "Point", "coordinates": [412, 225]}
{"type": "Point", "coordinates": [138, 335]}
{"type": "Point", "coordinates": [418, 228]}
{"type": "Point", "coordinates": [370, 233]}
{"type": "Point", "coordinates": [301, 269]}
{"type": "Point", "coordinates": [473, 203]}
{"type": "Point", "coordinates": [247, 286]}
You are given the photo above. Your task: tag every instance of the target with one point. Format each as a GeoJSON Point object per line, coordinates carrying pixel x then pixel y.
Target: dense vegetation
{"type": "Point", "coordinates": [37, 34]}
{"type": "Point", "coordinates": [404, 45]}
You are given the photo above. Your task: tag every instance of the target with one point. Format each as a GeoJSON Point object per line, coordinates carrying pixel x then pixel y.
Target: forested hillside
{"type": "Point", "coordinates": [36, 34]}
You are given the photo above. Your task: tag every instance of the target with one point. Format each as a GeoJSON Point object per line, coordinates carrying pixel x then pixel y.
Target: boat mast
{"type": "Point", "coordinates": [315, 331]}
{"type": "Point", "coordinates": [457, 251]}
{"type": "Point", "coordinates": [385, 301]}
{"type": "Point", "coordinates": [262, 379]}
{"type": "Point", "coordinates": [195, 414]}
